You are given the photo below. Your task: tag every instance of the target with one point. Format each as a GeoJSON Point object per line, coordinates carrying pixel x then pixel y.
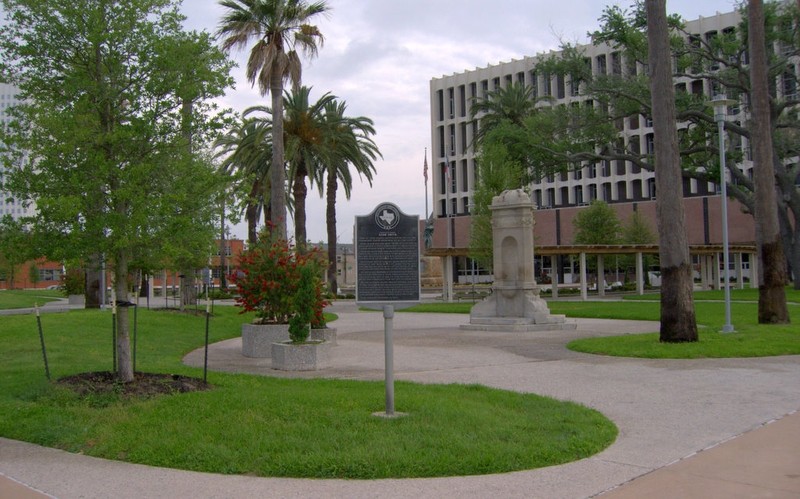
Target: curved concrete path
{"type": "Point", "coordinates": [684, 413]}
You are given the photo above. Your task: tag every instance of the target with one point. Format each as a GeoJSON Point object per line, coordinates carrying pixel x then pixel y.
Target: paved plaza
{"type": "Point", "coordinates": [687, 428]}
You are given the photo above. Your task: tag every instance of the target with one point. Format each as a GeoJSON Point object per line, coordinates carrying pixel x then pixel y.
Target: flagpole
{"type": "Point", "coordinates": [425, 174]}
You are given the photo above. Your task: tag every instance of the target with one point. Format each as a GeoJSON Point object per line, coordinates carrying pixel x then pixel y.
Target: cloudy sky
{"type": "Point", "coordinates": [380, 55]}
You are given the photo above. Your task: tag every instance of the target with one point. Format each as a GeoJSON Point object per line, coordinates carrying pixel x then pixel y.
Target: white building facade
{"type": "Point", "coordinates": [9, 205]}
{"type": "Point", "coordinates": [558, 197]}
{"type": "Point", "coordinates": [452, 131]}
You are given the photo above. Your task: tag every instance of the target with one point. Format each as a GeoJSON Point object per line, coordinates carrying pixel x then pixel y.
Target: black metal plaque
{"type": "Point", "coordinates": [387, 256]}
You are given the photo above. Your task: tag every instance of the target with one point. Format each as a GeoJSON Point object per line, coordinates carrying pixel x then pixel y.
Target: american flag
{"type": "Point", "coordinates": [425, 166]}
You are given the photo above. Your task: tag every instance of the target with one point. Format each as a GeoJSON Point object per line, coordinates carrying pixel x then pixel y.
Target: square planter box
{"type": "Point", "coordinates": [325, 334]}
{"type": "Point", "coordinates": [312, 356]}
{"type": "Point", "coordinates": [257, 339]}
{"type": "Point", "coordinates": [76, 300]}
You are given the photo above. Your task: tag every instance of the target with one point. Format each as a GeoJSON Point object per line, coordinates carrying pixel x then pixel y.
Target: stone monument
{"type": "Point", "coordinates": [515, 304]}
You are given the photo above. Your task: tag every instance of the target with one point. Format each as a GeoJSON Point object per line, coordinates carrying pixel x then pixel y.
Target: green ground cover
{"type": "Point", "coordinates": [271, 426]}
{"type": "Point", "coordinates": [749, 340]}
{"type": "Point", "coordinates": [18, 298]}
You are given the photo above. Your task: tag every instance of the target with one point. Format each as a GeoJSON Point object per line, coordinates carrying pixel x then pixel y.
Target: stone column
{"type": "Point", "coordinates": [515, 303]}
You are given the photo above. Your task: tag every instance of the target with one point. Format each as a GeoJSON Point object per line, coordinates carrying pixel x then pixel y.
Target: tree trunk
{"type": "Point", "coordinates": [223, 280]}
{"type": "Point", "coordinates": [330, 223]}
{"type": "Point", "coordinates": [188, 291]}
{"type": "Point", "coordinates": [300, 192]}
{"type": "Point", "coordinates": [678, 322]}
{"type": "Point", "coordinates": [277, 198]}
{"type": "Point", "coordinates": [772, 307]}
{"type": "Point", "coordinates": [124, 363]}
{"type": "Point", "coordinates": [94, 281]}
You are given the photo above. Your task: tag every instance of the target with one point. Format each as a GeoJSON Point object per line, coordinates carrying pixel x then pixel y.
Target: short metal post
{"type": "Point", "coordinates": [388, 317]}
{"type": "Point", "coordinates": [41, 340]}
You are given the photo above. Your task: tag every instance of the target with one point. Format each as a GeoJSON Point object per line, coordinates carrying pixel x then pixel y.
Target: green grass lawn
{"type": "Point", "coordinates": [747, 294]}
{"type": "Point", "coordinates": [272, 426]}
{"type": "Point", "coordinates": [18, 298]}
{"type": "Point", "coordinates": [750, 339]}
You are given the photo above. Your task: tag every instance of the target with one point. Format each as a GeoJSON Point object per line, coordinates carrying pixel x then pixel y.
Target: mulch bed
{"type": "Point", "coordinates": [144, 385]}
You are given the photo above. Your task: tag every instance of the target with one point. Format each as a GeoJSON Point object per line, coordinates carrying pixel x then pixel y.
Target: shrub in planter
{"type": "Point", "coordinates": [269, 276]}
{"type": "Point", "coordinates": [73, 282]}
{"type": "Point", "coordinates": [304, 301]}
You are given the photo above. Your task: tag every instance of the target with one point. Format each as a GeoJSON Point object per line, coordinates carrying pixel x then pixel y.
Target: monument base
{"type": "Point", "coordinates": [508, 325]}
{"type": "Point", "coordinates": [522, 311]}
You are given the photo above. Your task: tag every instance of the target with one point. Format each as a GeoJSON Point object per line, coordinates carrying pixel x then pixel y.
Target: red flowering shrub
{"type": "Point", "coordinates": [268, 278]}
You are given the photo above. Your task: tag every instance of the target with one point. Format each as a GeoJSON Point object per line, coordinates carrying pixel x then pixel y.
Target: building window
{"type": "Point", "coordinates": [622, 194]}
{"type": "Point", "coordinates": [560, 87]}
{"type": "Point", "coordinates": [452, 102]}
{"type": "Point", "coordinates": [600, 62]}
{"type": "Point", "coordinates": [440, 103]}
{"type": "Point", "coordinates": [789, 85]}
{"type": "Point", "coordinates": [452, 140]}
{"type": "Point", "coordinates": [462, 101]}
{"type": "Point", "coordinates": [607, 192]}
{"type": "Point", "coordinates": [616, 63]}
{"type": "Point", "coordinates": [578, 194]}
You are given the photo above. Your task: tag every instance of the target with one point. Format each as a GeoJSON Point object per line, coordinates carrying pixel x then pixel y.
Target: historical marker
{"type": "Point", "coordinates": [387, 273]}
{"type": "Point", "coordinates": [387, 257]}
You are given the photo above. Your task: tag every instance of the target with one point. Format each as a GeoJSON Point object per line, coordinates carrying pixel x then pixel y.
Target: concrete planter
{"type": "Point", "coordinates": [258, 338]}
{"type": "Point", "coordinates": [324, 334]}
{"type": "Point", "coordinates": [76, 300]}
{"type": "Point", "coordinates": [310, 356]}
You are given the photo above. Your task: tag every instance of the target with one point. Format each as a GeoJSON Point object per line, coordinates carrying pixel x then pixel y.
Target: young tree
{"type": "Point", "coordinates": [677, 307]}
{"type": "Point", "coordinates": [102, 122]}
{"type": "Point", "coordinates": [498, 171]}
{"type": "Point", "coordinates": [772, 307]}
{"type": "Point", "coordinates": [597, 224]}
{"type": "Point", "coordinates": [15, 249]}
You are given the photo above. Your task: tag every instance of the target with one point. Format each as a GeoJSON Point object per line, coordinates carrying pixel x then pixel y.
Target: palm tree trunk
{"type": "Point", "coordinates": [772, 307]}
{"type": "Point", "coordinates": [677, 306]}
{"type": "Point", "coordinates": [277, 197]}
{"type": "Point", "coordinates": [330, 223]}
{"type": "Point", "coordinates": [300, 192]}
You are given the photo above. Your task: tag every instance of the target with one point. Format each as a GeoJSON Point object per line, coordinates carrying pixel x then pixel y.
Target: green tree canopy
{"type": "Point", "coordinates": [115, 92]}
{"type": "Point", "coordinates": [597, 224]}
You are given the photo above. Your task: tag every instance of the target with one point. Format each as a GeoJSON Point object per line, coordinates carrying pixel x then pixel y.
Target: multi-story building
{"type": "Point", "coordinates": [9, 205]}
{"type": "Point", "coordinates": [558, 197]}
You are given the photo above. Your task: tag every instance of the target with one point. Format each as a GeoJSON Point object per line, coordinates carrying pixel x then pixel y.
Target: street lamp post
{"type": "Point", "coordinates": [720, 111]}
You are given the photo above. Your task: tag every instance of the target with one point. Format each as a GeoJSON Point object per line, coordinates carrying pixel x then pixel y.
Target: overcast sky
{"type": "Point", "coordinates": [380, 55]}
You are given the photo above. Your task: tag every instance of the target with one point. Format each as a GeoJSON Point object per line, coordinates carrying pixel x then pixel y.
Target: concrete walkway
{"type": "Point", "coordinates": [688, 428]}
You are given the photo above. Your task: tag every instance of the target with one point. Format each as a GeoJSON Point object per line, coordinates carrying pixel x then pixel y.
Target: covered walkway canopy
{"type": "Point", "coordinates": [709, 257]}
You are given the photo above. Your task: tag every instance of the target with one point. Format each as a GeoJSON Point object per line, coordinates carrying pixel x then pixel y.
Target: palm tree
{"type": "Point", "coordinates": [511, 104]}
{"type": "Point", "coordinates": [305, 130]}
{"type": "Point", "coordinates": [247, 148]}
{"type": "Point", "coordinates": [279, 27]}
{"type": "Point", "coordinates": [350, 141]}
